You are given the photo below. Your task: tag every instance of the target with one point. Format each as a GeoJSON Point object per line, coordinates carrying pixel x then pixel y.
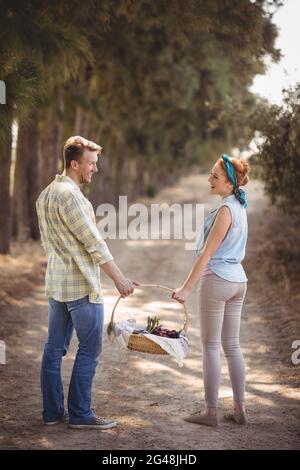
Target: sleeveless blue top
{"type": "Point", "coordinates": [226, 262]}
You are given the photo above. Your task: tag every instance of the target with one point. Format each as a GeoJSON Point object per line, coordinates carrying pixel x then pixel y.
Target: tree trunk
{"type": "Point", "coordinates": [78, 120]}
{"type": "Point", "coordinates": [5, 200]}
{"type": "Point", "coordinates": [139, 184]}
{"type": "Point", "coordinates": [27, 184]}
{"type": "Point", "coordinates": [117, 176]}
{"type": "Point", "coordinates": [51, 147]}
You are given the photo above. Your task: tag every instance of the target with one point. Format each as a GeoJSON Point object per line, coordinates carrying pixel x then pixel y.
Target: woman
{"type": "Point", "coordinates": [222, 289]}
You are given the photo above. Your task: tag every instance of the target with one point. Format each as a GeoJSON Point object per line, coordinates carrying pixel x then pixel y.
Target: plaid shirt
{"type": "Point", "coordinates": [71, 241]}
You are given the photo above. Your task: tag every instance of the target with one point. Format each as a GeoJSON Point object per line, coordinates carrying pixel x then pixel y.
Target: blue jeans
{"type": "Point", "coordinates": [87, 319]}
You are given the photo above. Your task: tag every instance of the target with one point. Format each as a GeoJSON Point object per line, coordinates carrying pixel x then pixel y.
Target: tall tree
{"type": "Point", "coordinates": [5, 202]}
{"type": "Point", "coordinates": [27, 184]}
{"type": "Point", "coordinates": [38, 39]}
{"type": "Point", "coordinates": [158, 81]}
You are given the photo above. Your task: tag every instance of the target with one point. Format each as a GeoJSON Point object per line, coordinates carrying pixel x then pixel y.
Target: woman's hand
{"type": "Point", "coordinates": [180, 294]}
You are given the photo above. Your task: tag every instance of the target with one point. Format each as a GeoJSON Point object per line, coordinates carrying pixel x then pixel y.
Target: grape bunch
{"type": "Point", "coordinates": [164, 332]}
{"type": "Point", "coordinates": [154, 327]}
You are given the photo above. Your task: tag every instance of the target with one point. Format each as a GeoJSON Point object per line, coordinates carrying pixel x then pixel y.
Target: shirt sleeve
{"type": "Point", "coordinates": [78, 221]}
{"type": "Point", "coordinates": [43, 244]}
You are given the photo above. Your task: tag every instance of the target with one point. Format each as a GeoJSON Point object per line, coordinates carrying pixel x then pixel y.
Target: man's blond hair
{"type": "Point", "coordinates": [75, 146]}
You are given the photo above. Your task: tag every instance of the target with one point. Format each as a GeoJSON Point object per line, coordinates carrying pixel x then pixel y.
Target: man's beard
{"type": "Point", "coordinates": [84, 180]}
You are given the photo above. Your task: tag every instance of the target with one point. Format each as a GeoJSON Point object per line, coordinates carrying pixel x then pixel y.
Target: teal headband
{"type": "Point", "coordinates": [238, 192]}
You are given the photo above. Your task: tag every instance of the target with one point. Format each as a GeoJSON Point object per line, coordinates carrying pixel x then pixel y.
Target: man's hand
{"type": "Point", "coordinates": [125, 286]}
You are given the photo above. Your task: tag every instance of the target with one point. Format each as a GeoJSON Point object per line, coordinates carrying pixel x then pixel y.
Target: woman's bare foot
{"type": "Point", "coordinates": [239, 415]}
{"type": "Point", "coordinates": [207, 418]}
{"type": "Point", "coordinates": [239, 407]}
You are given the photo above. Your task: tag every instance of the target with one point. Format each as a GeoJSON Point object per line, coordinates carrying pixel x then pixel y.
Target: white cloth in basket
{"type": "Point", "coordinates": [178, 348]}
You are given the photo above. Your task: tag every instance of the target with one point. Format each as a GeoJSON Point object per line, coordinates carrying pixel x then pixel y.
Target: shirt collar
{"type": "Point", "coordinates": [66, 179]}
{"type": "Point", "coordinates": [228, 197]}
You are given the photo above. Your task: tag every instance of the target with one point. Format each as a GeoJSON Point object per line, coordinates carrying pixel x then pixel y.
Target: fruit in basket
{"type": "Point", "coordinates": [155, 328]}
{"type": "Point", "coordinates": [164, 332]}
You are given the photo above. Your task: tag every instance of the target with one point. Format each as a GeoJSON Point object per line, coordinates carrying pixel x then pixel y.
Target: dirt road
{"type": "Point", "coordinates": [149, 395]}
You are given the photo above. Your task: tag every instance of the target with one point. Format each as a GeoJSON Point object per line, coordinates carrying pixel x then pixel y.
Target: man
{"type": "Point", "coordinates": [75, 250]}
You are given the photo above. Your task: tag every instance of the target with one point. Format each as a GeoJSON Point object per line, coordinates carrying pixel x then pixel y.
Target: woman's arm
{"type": "Point", "coordinates": [216, 236]}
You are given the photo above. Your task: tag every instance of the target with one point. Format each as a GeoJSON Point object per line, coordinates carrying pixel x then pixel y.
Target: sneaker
{"type": "Point", "coordinates": [95, 423]}
{"type": "Point", "coordinates": [64, 419]}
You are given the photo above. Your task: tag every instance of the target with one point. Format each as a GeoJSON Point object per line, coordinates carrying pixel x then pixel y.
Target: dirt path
{"type": "Point", "coordinates": [150, 395]}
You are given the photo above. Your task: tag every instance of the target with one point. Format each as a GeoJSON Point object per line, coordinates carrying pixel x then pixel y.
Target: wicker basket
{"type": "Point", "coordinates": [140, 342]}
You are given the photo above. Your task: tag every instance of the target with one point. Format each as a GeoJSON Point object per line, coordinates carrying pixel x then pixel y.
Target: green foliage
{"type": "Point", "coordinates": [150, 190]}
{"type": "Point", "coordinates": [279, 155]}
{"type": "Point", "coordinates": [164, 82]}
{"type": "Point", "coordinates": [40, 48]}
{"type": "Point", "coordinates": [171, 77]}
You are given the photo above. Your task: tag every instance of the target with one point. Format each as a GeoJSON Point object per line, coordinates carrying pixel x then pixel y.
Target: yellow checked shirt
{"type": "Point", "coordinates": [72, 242]}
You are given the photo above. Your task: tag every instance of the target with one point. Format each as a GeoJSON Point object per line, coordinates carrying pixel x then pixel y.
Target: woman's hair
{"type": "Point", "coordinates": [241, 168]}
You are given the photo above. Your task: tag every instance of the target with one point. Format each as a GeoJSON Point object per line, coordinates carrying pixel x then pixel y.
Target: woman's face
{"type": "Point", "coordinates": [218, 181]}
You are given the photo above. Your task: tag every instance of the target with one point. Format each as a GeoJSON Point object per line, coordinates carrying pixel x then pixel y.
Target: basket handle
{"type": "Point", "coordinates": [186, 313]}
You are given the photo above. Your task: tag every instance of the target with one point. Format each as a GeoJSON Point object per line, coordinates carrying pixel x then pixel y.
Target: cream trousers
{"type": "Point", "coordinates": [221, 303]}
